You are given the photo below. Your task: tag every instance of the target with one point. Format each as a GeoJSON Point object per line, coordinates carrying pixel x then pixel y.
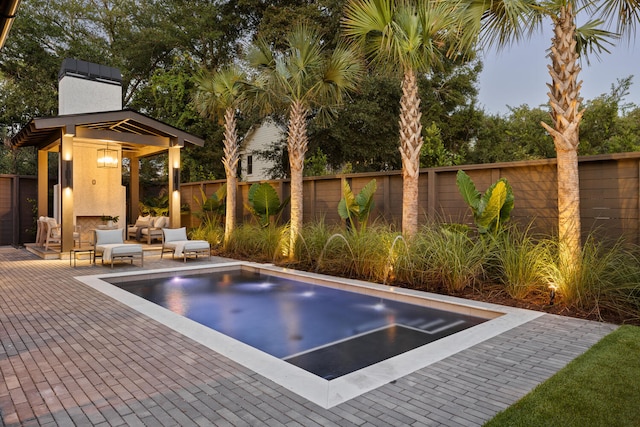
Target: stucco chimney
{"type": "Point", "coordinates": [85, 87]}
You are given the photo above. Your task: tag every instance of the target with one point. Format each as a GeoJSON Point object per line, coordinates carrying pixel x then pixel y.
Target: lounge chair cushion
{"type": "Point", "coordinates": [111, 250]}
{"type": "Point", "coordinates": [106, 237]}
{"type": "Point", "coordinates": [180, 247]}
{"type": "Point", "coordinates": [174, 234]}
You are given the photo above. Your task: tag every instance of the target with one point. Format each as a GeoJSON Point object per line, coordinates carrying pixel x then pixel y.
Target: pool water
{"type": "Point", "coordinates": [326, 331]}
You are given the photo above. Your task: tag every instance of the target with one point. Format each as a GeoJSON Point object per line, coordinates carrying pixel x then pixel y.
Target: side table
{"type": "Point", "coordinates": [73, 253]}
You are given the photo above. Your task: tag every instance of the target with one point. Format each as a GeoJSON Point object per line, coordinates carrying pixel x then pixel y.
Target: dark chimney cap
{"type": "Point", "coordinates": [89, 70]}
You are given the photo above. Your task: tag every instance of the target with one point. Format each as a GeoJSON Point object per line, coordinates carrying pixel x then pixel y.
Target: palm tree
{"type": "Point", "coordinates": [407, 37]}
{"type": "Point", "coordinates": [501, 22]}
{"type": "Point", "coordinates": [303, 81]}
{"type": "Point", "coordinates": [218, 96]}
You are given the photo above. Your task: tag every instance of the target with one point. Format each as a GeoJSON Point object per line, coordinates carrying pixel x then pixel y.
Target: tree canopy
{"type": "Point", "coordinates": [161, 46]}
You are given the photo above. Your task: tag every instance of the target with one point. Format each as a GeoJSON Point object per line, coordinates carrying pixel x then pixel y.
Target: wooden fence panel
{"type": "Point", "coordinates": [609, 191]}
{"type": "Point", "coordinates": [6, 211]}
{"type": "Point", "coordinates": [327, 197]}
{"type": "Point", "coordinates": [17, 224]}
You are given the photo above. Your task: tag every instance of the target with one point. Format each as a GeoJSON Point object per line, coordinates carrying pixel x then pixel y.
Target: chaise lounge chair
{"type": "Point", "coordinates": [175, 240]}
{"type": "Point", "coordinates": [110, 245]}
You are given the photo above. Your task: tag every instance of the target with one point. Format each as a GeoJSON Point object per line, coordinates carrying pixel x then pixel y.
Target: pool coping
{"type": "Point", "coordinates": [322, 392]}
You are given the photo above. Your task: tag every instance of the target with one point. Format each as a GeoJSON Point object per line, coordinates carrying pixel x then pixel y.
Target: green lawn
{"type": "Point", "coordinates": [599, 388]}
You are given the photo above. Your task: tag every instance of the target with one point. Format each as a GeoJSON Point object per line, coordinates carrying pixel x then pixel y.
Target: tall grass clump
{"type": "Point", "coordinates": [518, 262]}
{"type": "Point", "coordinates": [313, 238]}
{"type": "Point", "coordinates": [208, 230]}
{"type": "Point", "coordinates": [457, 260]}
{"type": "Point", "coordinates": [443, 257]}
{"type": "Point", "coordinates": [411, 260]}
{"type": "Point", "coordinates": [359, 254]}
{"type": "Point", "coordinates": [607, 277]}
{"type": "Point", "coordinates": [262, 244]}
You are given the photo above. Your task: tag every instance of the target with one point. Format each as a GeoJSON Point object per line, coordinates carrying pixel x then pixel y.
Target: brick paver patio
{"type": "Point", "coordinates": [70, 355]}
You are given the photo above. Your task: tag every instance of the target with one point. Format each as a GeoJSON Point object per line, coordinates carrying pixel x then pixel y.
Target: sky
{"type": "Point", "coordinates": [518, 75]}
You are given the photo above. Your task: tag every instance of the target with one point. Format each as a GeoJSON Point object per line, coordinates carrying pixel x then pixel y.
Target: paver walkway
{"type": "Point", "coordinates": [69, 355]}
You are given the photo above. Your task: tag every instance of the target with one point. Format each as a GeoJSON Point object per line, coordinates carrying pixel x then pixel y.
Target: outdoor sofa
{"type": "Point", "coordinates": [147, 228]}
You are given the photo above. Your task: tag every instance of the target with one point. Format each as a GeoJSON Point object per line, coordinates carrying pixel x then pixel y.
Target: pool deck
{"type": "Point", "coordinates": [69, 355]}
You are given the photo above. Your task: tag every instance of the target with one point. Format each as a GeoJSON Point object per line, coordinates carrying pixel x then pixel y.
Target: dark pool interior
{"type": "Point", "coordinates": [326, 331]}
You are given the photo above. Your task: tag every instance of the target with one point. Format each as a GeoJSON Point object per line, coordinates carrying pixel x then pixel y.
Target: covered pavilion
{"type": "Point", "coordinates": [92, 138]}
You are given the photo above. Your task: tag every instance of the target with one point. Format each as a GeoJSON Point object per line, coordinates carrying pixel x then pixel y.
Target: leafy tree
{"type": "Point", "coordinates": [316, 164]}
{"type": "Point", "coordinates": [406, 37]}
{"type": "Point", "coordinates": [501, 22]}
{"type": "Point", "coordinates": [515, 136]}
{"type": "Point", "coordinates": [281, 17]}
{"type": "Point", "coordinates": [156, 45]}
{"type": "Point", "coordinates": [448, 95]}
{"type": "Point", "coordinates": [627, 137]}
{"type": "Point", "coordinates": [600, 127]}
{"type": "Point", "coordinates": [433, 153]}
{"type": "Point", "coordinates": [302, 80]}
{"type": "Point", "coordinates": [19, 162]}
{"type": "Point", "coordinates": [365, 131]}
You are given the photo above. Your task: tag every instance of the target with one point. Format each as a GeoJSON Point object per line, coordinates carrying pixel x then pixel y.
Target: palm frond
{"type": "Point", "coordinates": [591, 39]}
{"type": "Point", "coordinates": [625, 14]}
{"type": "Point", "coordinates": [496, 23]}
{"type": "Point", "coordinates": [218, 91]}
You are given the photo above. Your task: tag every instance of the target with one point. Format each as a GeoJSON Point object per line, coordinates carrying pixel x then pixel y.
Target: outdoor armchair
{"type": "Point", "coordinates": [175, 240]}
{"type": "Point", "coordinates": [110, 246]}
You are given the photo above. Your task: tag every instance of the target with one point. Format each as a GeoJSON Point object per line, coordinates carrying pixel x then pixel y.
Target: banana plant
{"type": "Point", "coordinates": [263, 203]}
{"type": "Point", "coordinates": [491, 209]}
{"type": "Point", "coordinates": [357, 207]}
{"type": "Point", "coordinates": [212, 208]}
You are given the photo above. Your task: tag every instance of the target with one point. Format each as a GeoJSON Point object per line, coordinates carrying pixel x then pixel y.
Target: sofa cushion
{"type": "Point", "coordinates": [143, 221]}
{"type": "Point", "coordinates": [160, 221]}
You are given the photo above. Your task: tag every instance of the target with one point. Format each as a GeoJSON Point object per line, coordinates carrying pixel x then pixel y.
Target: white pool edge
{"type": "Point", "coordinates": [318, 390]}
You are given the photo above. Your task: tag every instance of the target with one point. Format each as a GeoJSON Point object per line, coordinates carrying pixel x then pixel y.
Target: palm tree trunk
{"type": "Point", "coordinates": [297, 143]}
{"type": "Point", "coordinates": [230, 161]}
{"type": "Point", "coordinates": [569, 208]}
{"type": "Point", "coordinates": [564, 98]}
{"type": "Point", "coordinates": [410, 144]}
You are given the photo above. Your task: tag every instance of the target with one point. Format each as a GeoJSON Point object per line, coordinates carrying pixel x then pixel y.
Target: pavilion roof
{"type": "Point", "coordinates": [127, 127]}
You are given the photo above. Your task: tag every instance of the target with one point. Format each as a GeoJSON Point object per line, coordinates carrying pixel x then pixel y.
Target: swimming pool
{"type": "Point", "coordinates": [326, 331]}
{"type": "Point", "coordinates": [306, 337]}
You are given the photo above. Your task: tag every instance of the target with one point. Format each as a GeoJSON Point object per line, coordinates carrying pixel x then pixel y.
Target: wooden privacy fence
{"type": "Point", "coordinates": [17, 224]}
{"type": "Point", "coordinates": [609, 193]}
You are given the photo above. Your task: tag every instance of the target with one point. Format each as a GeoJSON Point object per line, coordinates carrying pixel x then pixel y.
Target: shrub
{"type": "Point", "coordinates": [451, 258]}
{"type": "Point", "coordinates": [210, 231]}
{"type": "Point", "coordinates": [443, 257]}
{"type": "Point", "coordinates": [519, 263]}
{"type": "Point", "coordinates": [607, 277]}
{"type": "Point", "coordinates": [264, 244]}
{"type": "Point", "coordinates": [313, 238]}
{"type": "Point", "coordinates": [362, 255]}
